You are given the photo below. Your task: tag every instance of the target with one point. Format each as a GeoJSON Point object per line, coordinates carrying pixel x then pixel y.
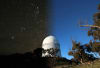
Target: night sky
{"type": "Point", "coordinates": [65, 15]}
{"type": "Point", "coordinates": [22, 25]}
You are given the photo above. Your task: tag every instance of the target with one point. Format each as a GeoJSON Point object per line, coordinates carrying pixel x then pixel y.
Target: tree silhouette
{"type": "Point", "coordinates": [38, 52]}
{"type": "Point", "coordinates": [81, 52]}
{"type": "Point", "coordinates": [95, 33]}
{"type": "Point", "coordinates": [52, 52]}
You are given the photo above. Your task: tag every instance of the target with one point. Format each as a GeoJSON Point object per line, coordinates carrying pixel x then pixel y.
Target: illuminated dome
{"type": "Point", "coordinates": [50, 42]}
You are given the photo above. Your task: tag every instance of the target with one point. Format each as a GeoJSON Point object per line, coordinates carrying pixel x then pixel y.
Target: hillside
{"type": "Point", "coordinates": [94, 64]}
{"type": "Point", "coordinates": [32, 60]}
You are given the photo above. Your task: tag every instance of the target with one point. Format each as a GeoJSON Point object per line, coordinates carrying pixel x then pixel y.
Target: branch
{"type": "Point", "coordinates": [93, 26]}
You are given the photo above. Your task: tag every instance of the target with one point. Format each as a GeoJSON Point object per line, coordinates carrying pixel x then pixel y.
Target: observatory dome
{"type": "Point", "coordinates": [50, 42]}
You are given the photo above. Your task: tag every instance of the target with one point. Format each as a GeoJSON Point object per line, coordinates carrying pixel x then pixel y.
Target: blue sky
{"type": "Point", "coordinates": [64, 17]}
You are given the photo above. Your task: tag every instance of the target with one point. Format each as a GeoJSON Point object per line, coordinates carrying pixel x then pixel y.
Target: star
{"type": "Point", "coordinates": [12, 37]}
{"type": "Point", "coordinates": [22, 29]}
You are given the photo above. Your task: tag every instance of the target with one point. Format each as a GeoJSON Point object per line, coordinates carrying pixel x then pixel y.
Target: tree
{"type": "Point", "coordinates": [52, 52]}
{"type": "Point", "coordinates": [79, 52]}
{"type": "Point", "coordinates": [95, 33]}
{"type": "Point", "coordinates": [38, 52]}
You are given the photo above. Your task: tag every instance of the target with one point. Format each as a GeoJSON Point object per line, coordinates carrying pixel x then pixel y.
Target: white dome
{"type": "Point", "coordinates": [50, 39]}
{"type": "Point", "coordinates": [50, 42]}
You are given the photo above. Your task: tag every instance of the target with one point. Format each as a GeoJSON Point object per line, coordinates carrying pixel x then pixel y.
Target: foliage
{"type": "Point", "coordinates": [79, 52]}
{"type": "Point", "coordinates": [95, 33]}
{"type": "Point", "coordinates": [51, 52]}
{"type": "Point", "coordinates": [38, 52]}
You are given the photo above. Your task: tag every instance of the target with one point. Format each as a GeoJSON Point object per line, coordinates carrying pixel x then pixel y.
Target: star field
{"type": "Point", "coordinates": [22, 25]}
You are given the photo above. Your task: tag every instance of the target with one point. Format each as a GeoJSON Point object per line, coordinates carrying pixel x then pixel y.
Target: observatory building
{"type": "Point", "coordinates": [51, 47]}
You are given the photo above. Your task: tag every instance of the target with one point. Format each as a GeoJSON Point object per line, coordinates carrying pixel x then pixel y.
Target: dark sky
{"type": "Point", "coordinates": [22, 25]}
{"type": "Point", "coordinates": [65, 16]}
